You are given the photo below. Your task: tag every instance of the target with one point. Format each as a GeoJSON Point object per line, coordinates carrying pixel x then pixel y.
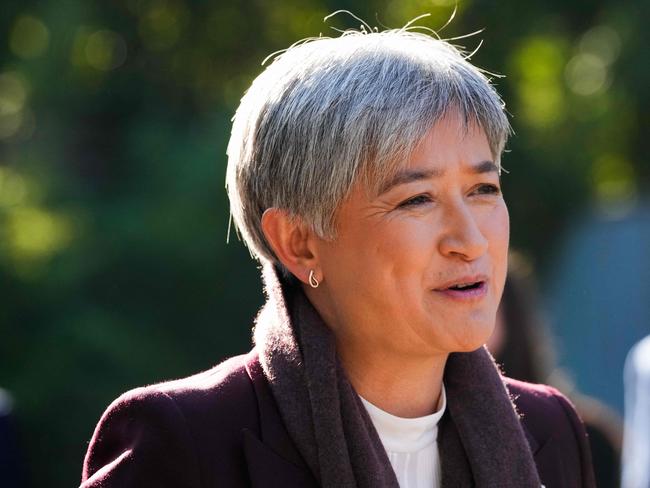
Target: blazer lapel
{"type": "Point", "coordinates": [267, 469]}
{"type": "Point", "coordinates": [455, 469]}
{"type": "Point", "coordinates": [532, 442]}
{"type": "Point", "coordinates": [272, 458]}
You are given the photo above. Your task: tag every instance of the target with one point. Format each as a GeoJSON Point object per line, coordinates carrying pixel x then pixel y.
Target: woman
{"type": "Point", "coordinates": [364, 175]}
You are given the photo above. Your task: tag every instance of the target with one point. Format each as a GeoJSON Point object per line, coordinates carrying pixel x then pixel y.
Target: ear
{"type": "Point", "coordinates": [292, 242]}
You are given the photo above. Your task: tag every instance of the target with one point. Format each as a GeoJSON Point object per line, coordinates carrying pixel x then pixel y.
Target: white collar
{"type": "Point", "coordinates": [399, 434]}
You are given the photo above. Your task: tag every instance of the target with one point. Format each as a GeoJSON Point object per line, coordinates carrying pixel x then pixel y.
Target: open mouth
{"type": "Point", "coordinates": [466, 286]}
{"type": "Point", "coordinates": [466, 290]}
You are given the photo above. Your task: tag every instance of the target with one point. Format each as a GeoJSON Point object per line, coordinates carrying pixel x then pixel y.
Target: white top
{"type": "Point", "coordinates": [411, 444]}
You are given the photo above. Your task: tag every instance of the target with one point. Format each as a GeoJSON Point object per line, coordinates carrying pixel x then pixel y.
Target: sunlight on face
{"type": "Point", "coordinates": [419, 269]}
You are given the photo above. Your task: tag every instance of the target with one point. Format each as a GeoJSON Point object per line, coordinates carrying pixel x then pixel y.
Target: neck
{"type": "Point", "coordinates": [404, 387]}
{"type": "Point", "coordinates": [397, 382]}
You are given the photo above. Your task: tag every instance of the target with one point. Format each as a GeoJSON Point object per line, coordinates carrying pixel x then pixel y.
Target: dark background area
{"type": "Point", "coordinates": [114, 117]}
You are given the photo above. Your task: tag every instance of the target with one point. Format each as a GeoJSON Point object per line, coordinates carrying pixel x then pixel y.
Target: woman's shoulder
{"type": "Point", "coordinates": [212, 398]}
{"type": "Point", "coordinates": [208, 389]}
{"type": "Point", "coordinates": [544, 410]}
{"type": "Point", "coordinates": [555, 432]}
{"type": "Point", "coordinates": [187, 422]}
{"type": "Point", "coordinates": [537, 398]}
{"type": "Point", "coordinates": [226, 386]}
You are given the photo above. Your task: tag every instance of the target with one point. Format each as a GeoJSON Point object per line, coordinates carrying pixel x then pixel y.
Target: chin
{"type": "Point", "coordinates": [475, 338]}
{"type": "Point", "coordinates": [472, 348]}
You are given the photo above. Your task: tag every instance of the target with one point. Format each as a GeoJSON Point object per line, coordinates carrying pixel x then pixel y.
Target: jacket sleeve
{"type": "Point", "coordinates": [582, 442]}
{"type": "Point", "coordinates": [141, 440]}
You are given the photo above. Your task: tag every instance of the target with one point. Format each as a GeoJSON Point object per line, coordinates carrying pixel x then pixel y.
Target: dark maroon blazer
{"type": "Point", "coordinates": [222, 428]}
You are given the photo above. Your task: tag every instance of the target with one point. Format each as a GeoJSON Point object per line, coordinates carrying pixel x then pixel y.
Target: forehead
{"type": "Point", "coordinates": [448, 141]}
{"type": "Point", "coordinates": [451, 143]}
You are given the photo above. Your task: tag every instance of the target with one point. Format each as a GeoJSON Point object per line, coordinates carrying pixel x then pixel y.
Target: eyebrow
{"type": "Point", "coordinates": [409, 176]}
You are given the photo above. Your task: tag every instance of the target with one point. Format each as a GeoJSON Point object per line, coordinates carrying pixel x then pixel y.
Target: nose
{"type": "Point", "coordinates": [462, 236]}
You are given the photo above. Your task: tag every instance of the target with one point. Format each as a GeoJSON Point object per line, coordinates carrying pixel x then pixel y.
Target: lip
{"type": "Point", "coordinates": [464, 295]}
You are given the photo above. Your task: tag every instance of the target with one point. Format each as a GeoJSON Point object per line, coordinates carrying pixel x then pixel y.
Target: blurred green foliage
{"type": "Point", "coordinates": [114, 116]}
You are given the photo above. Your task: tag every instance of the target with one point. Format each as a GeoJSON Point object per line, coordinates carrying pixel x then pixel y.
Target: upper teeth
{"type": "Point", "coordinates": [461, 285]}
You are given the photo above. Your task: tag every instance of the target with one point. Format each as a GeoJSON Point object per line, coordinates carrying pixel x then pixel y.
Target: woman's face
{"type": "Point", "coordinates": [419, 269]}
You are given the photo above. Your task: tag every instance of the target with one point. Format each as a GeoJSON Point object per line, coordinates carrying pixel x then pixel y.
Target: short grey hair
{"type": "Point", "coordinates": [331, 112]}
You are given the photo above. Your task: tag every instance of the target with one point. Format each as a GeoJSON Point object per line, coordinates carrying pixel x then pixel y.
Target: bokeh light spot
{"type": "Point", "coordinates": [13, 95]}
{"type": "Point", "coordinates": [13, 189]}
{"type": "Point", "coordinates": [35, 233]}
{"type": "Point", "coordinates": [10, 124]}
{"type": "Point", "coordinates": [539, 59]}
{"type": "Point", "coordinates": [601, 41]}
{"type": "Point", "coordinates": [586, 74]}
{"type": "Point", "coordinates": [105, 50]}
{"type": "Point", "coordinates": [162, 24]}
{"type": "Point", "coordinates": [614, 179]}
{"type": "Point", "coordinates": [541, 105]}
{"type": "Point", "coordinates": [29, 37]}
{"type": "Point", "coordinates": [538, 66]}
{"type": "Point", "coordinates": [78, 52]}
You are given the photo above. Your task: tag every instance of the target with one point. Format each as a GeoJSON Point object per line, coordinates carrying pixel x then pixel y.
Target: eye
{"type": "Point", "coordinates": [415, 201]}
{"type": "Point", "coordinates": [487, 189]}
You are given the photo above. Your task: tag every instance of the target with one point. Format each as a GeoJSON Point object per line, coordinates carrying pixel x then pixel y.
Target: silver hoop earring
{"type": "Point", "coordinates": [313, 282]}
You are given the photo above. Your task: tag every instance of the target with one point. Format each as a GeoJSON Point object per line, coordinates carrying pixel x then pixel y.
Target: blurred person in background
{"type": "Point", "coordinates": [523, 346]}
{"type": "Point", "coordinates": [636, 442]}
{"type": "Point", "coordinates": [364, 175]}
{"type": "Point", "coordinates": [11, 467]}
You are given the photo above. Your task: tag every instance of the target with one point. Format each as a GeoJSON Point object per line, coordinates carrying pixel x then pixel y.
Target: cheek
{"type": "Point", "coordinates": [392, 258]}
{"type": "Point", "coordinates": [496, 229]}
{"type": "Point", "coordinates": [498, 235]}
{"type": "Point", "coordinates": [405, 246]}
{"type": "Point", "coordinates": [368, 257]}
{"type": "Point", "coordinates": [380, 264]}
